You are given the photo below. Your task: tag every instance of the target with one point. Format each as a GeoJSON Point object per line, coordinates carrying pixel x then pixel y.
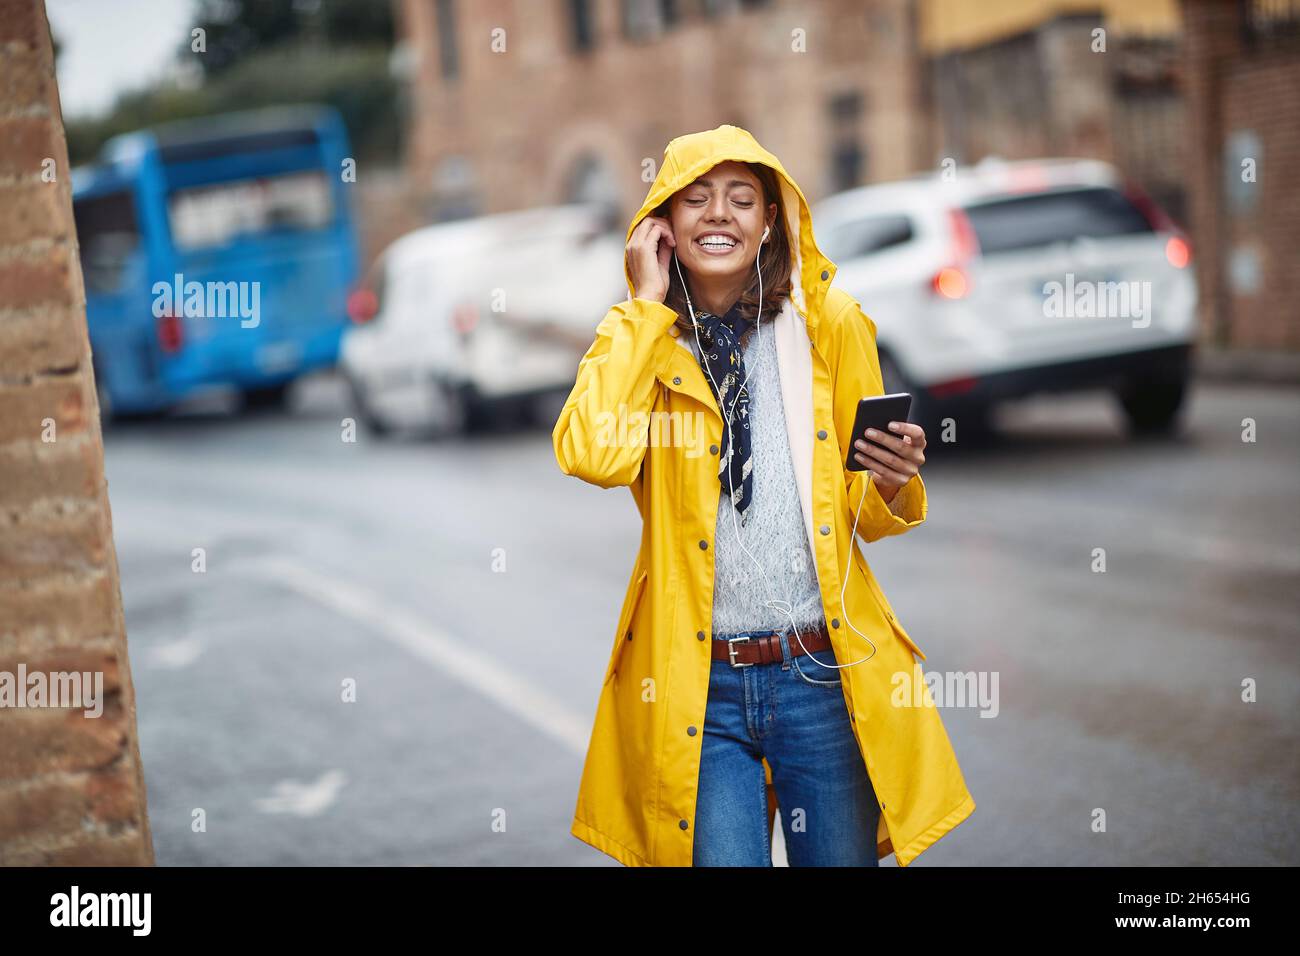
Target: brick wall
{"type": "Point", "coordinates": [511, 128]}
{"type": "Point", "coordinates": [1150, 117]}
{"type": "Point", "coordinates": [71, 786]}
{"type": "Point", "coordinates": [1235, 86]}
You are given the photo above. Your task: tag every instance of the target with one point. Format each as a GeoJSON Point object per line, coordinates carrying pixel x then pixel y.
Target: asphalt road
{"type": "Point", "coordinates": [467, 592]}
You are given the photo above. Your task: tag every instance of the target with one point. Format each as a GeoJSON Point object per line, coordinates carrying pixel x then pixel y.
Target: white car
{"type": "Point", "coordinates": [459, 321]}
{"type": "Point", "coordinates": [1008, 279]}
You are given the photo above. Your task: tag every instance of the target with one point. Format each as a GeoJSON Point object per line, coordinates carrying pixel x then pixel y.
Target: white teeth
{"type": "Point", "coordinates": [718, 242]}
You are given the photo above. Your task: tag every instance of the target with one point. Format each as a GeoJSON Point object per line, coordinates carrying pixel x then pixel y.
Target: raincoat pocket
{"type": "Point", "coordinates": [623, 636]}
{"type": "Point", "coordinates": [907, 639]}
{"type": "Point", "coordinates": [884, 603]}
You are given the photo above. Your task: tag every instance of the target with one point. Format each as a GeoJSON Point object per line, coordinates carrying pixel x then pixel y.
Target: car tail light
{"type": "Point", "coordinates": [170, 333]}
{"type": "Point", "coordinates": [1154, 215]}
{"type": "Point", "coordinates": [1178, 250]}
{"type": "Point", "coordinates": [954, 387]}
{"type": "Point", "coordinates": [363, 305]}
{"type": "Point", "coordinates": [465, 318]}
{"type": "Point", "coordinates": [952, 281]}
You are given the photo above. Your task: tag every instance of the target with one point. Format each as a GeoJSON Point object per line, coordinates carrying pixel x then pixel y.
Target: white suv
{"type": "Point", "coordinates": [1007, 279]}
{"type": "Point", "coordinates": [461, 321]}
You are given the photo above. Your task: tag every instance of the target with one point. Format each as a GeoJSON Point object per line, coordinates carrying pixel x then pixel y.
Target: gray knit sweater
{"type": "Point", "coordinates": [775, 534]}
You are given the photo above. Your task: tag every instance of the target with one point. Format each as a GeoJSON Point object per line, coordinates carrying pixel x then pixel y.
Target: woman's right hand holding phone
{"type": "Point", "coordinates": [648, 253]}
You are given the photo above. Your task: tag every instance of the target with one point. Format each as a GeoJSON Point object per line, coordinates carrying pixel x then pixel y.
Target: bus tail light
{"type": "Point", "coordinates": [170, 333]}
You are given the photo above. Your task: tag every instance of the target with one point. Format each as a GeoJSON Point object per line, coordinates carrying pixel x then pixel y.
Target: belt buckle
{"type": "Point", "coordinates": [731, 651]}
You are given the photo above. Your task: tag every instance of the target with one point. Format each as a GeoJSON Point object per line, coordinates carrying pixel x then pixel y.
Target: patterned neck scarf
{"type": "Point", "coordinates": [722, 360]}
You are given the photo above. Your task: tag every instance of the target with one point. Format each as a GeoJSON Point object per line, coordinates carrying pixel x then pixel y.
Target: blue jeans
{"type": "Point", "coordinates": [799, 722]}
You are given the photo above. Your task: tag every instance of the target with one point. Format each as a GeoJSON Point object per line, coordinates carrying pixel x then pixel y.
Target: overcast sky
{"type": "Point", "coordinates": [113, 45]}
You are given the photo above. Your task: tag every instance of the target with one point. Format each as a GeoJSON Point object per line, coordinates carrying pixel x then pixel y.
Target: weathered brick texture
{"type": "Point", "coordinates": [71, 786]}
{"type": "Point", "coordinates": [1237, 84]}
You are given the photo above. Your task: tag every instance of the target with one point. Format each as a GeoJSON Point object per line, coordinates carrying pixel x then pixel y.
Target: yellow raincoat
{"type": "Point", "coordinates": [621, 425]}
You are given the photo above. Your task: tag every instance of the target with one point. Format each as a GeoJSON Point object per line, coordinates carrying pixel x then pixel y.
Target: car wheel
{"type": "Point", "coordinates": [449, 411]}
{"type": "Point", "coordinates": [975, 421]}
{"type": "Point", "coordinates": [1152, 406]}
{"type": "Point", "coordinates": [268, 398]}
{"type": "Point", "coordinates": [372, 422]}
{"type": "Point", "coordinates": [544, 411]}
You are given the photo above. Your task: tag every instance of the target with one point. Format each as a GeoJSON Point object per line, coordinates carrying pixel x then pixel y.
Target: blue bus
{"type": "Point", "coordinates": [217, 252]}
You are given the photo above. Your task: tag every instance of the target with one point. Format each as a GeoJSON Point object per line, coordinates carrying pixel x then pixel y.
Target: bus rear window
{"type": "Point", "coordinates": [107, 235]}
{"type": "Point", "coordinates": [219, 214]}
{"type": "Point", "coordinates": [1026, 222]}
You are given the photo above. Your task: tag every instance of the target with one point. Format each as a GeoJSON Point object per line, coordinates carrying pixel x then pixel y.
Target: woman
{"type": "Point", "coordinates": [730, 326]}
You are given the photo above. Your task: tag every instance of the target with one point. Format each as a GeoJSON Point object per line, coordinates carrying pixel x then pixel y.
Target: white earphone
{"type": "Point", "coordinates": [785, 607]}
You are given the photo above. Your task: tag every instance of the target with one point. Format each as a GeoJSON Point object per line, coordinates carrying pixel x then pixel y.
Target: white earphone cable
{"type": "Point", "coordinates": [785, 607]}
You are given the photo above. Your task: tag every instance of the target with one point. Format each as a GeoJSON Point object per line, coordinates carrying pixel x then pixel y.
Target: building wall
{"type": "Point", "coordinates": [948, 25]}
{"type": "Point", "coordinates": [71, 786]}
{"type": "Point", "coordinates": [1243, 101]}
{"type": "Point", "coordinates": [520, 127]}
{"type": "Point", "coordinates": [1049, 92]}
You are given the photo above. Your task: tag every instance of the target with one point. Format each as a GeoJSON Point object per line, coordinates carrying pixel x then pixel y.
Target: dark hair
{"type": "Point", "coordinates": [775, 263]}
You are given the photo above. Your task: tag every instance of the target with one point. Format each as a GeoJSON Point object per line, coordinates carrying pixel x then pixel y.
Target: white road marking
{"type": "Point", "coordinates": [309, 799]}
{"type": "Point", "coordinates": [174, 655]}
{"type": "Point", "coordinates": [435, 647]}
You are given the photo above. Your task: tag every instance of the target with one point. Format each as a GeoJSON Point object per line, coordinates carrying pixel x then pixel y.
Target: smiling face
{"type": "Point", "coordinates": [718, 222]}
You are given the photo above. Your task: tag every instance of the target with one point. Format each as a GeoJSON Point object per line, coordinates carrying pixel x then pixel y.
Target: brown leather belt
{"type": "Point", "coordinates": [764, 647]}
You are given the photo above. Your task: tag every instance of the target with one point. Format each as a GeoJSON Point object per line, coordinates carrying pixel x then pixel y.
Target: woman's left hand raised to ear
{"type": "Point", "coordinates": [894, 465]}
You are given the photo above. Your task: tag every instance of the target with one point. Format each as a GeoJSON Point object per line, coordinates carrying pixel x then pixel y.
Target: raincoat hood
{"type": "Point", "coordinates": [690, 156]}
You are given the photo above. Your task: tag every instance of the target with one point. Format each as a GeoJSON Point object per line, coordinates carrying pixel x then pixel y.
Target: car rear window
{"type": "Point", "coordinates": [861, 237]}
{"type": "Point", "coordinates": [1041, 219]}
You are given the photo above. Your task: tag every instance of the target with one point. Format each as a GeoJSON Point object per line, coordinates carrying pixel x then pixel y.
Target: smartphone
{"type": "Point", "coordinates": [877, 412]}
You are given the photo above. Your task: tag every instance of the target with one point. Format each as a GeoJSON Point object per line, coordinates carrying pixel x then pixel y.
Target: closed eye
{"type": "Point", "coordinates": [700, 200]}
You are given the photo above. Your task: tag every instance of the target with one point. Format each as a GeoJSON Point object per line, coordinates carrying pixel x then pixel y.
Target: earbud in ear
{"type": "Point", "coordinates": [766, 230]}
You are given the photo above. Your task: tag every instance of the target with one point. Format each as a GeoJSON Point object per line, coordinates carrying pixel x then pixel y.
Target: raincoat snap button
{"type": "Point", "coordinates": [822, 434]}
{"type": "Point", "coordinates": [691, 730]}
{"type": "Point", "coordinates": [683, 824]}
{"type": "Point", "coordinates": [825, 274]}
{"type": "Point", "coordinates": [677, 380]}
{"type": "Point", "coordinates": [699, 635]}
{"type": "Point", "coordinates": [629, 633]}
{"type": "Point", "coordinates": [835, 622]}
{"type": "Point", "coordinates": [713, 449]}
{"type": "Point", "coordinates": [826, 529]}
{"type": "Point", "coordinates": [704, 545]}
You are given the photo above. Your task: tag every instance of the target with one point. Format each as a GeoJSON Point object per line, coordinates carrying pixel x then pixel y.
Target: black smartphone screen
{"type": "Point", "coordinates": [876, 412]}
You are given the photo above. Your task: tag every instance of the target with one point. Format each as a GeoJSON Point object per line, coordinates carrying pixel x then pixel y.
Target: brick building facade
{"type": "Point", "coordinates": [1243, 102]}
{"type": "Point", "coordinates": [519, 104]}
{"type": "Point", "coordinates": [71, 785]}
